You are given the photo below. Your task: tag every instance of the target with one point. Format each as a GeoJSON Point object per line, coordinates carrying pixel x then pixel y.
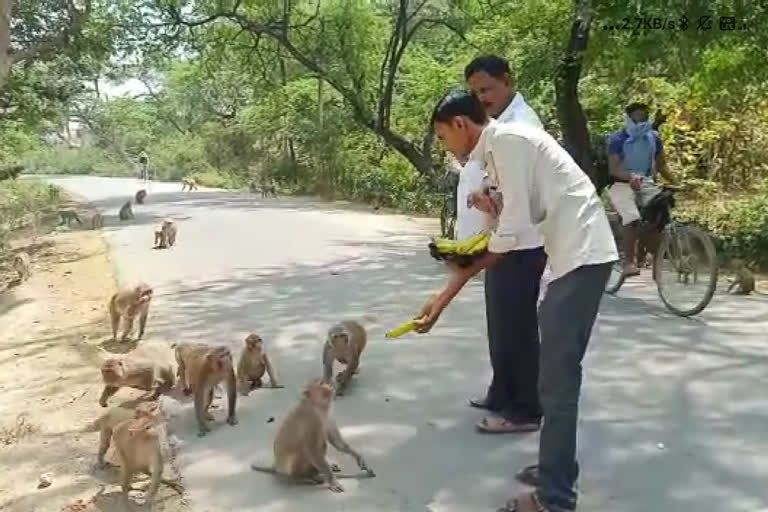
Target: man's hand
{"type": "Point", "coordinates": [425, 323]}
{"type": "Point", "coordinates": [635, 182]}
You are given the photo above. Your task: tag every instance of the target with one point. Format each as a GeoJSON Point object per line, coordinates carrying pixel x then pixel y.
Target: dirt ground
{"type": "Point", "coordinates": [54, 334]}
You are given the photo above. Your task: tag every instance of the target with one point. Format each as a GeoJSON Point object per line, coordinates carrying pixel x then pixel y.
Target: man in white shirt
{"type": "Point", "coordinates": [513, 286]}
{"type": "Point", "coordinates": [540, 185]}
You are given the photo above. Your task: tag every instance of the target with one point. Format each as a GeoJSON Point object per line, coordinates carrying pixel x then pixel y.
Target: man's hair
{"type": "Point", "coordinates": [494, 65]}
{"type": "Point", "coordinates": [458, 102]}
{"type": "Point", "coordinates": [636, 106]}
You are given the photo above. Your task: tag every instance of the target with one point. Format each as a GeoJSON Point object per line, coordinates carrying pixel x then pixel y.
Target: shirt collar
{"type": "Point", "coordinates": [508, 113]}
{"type": "Point", "coordinates": [478, 152]}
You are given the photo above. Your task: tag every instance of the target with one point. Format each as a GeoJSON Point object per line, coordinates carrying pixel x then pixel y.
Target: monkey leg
{"type": "Point", "coordinates": [114, 316]}
{"type": "Point", "coordinates": [104, 439]}
{"type": "Point", "coordinates": [328, 358]}
{"type": "Point", "coordinates": [125, 478]}
{"type": "Point", "coordinates": [317, 460]}
{"type": "Point", "coordinates": [127, 327]}
{"type": "Point", "coordinates": [231, 398]}
{"type": "Point", "coordinates": [143, 322]}
{"type": "Point", "coordinates": [201, 397]}
{"type": "Point", "coordinates": [208, 402]}
{"type": "Point", "coordinates": [79, 222]}
{"type": "Point", "coordinates": [108, 392]}
{"type": "Point", "coordinates": [334, 437]}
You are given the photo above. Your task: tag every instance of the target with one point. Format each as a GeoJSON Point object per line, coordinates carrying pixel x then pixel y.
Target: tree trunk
{"type": "Point", "coordinates": [569, 111]}
{"type": "Point", "coordinates": [6, 7]}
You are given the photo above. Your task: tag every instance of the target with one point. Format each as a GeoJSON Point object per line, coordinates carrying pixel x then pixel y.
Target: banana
{"type": "Point", "coordinates": [480, 245]}
{"type": "Point", "coordinates": [469, 245]}
{"type": "Point", "coordinates": [401, 329]}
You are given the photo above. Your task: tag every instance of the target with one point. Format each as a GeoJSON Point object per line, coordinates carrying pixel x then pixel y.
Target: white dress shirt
{"type": "Point", "coordinates": [470, 221]}
{"type": "Point", "coordinates": [543, 186]}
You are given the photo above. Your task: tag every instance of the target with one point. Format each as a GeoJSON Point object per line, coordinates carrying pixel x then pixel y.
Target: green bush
{"type": "Point", "coordinates": [22, 203]}
{"type": "Point", "coordinates": [738, 225]}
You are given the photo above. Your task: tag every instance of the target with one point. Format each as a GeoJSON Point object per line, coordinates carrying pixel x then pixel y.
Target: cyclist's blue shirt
{"type": "Point", "coordinates": [616, 144]}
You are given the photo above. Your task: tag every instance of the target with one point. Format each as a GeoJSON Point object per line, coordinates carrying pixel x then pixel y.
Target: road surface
{"type": "Point", "coordinates": [673, 416]}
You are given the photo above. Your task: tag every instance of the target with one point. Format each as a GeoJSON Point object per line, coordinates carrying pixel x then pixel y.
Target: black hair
{"type": "Point", "coordinates": [632, 107]}
{"type": "Point", "coordinates": [494, 65]}
{"type": "Point", "coordinates": [458, 102]}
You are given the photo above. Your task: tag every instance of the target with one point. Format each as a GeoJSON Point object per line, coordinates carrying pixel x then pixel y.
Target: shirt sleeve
{"type": "Point", "coordinates": [615, 145]}
{"type": "Point", "coordinates": [514, 160]}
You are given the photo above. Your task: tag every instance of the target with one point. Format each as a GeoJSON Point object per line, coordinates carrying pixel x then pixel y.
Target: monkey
{"type": "Point", "coordinates": [302, 441]}
{"type": "Point", "coordinates": [126, 212]}
{"type": "Point", "coordinates": [201, 368]}
{"type": "Point", "coordinates": [345, 343]}
{"type": "Point", "coordinates": [138, 374]}
{"type": "Point", "coordinates": [744, 280]}
{"type": "Point", "coordinates": [140, 195]}
{"type": "Point", "coordinates": [106, 423]}
{"type": "Point", "coordinates": [97, 221]}
{"type": "Point", "coordinates": [137, 444]}
{"type": "Point", "coordinates": [252, 365]}
{"type": "Point", "coordinates": [166, 236]}
{"type": "Point", "coordinates": [127, 304]}
{"type": "Point", "coordinates": [67, 216]}
{"type": "Point", "coordinates": [189, 183]}
{"type": "Point", "coordinates": [22, 265]}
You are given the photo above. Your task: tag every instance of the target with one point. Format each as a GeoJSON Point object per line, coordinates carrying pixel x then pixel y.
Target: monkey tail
{"type": "Point", "coordinates": [263, 469]}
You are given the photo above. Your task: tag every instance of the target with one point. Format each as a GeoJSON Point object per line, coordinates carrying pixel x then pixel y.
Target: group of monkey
{"type": "Point", "coordinates": [302, 439]}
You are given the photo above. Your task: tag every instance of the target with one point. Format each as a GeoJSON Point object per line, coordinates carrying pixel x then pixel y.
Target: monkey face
{"type": "Point", "coordinates": [143, 294]}
{"type": "Point", "coordinates": [112, 370]}
{"type": "Point", "coordinates": [254, 343]}
{"type": "Point", "coordinates": [339, 340]}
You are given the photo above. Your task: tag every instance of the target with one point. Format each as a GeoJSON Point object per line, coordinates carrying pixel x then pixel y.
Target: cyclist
{"type": "Point", "coordinates": [635, 155]}
{"type": "Point", "coordinates": [144, 162]}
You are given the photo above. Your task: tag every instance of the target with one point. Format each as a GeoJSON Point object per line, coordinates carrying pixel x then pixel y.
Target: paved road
{"type": "Point", "coordinates": [673, 415]}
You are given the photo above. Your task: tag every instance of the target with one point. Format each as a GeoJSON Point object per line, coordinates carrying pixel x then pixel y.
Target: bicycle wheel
{"type": "Point", "coordinates": [685, 269]}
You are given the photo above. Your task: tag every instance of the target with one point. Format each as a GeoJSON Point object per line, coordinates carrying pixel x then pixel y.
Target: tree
{"type": "Point", "coordinates": [37, 29]}
{"type": "Point", "coordinates": [336, 44]}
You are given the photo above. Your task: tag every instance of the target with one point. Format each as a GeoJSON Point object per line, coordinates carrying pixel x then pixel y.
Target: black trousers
{"type": "Point", "coordinates": [511, 292]}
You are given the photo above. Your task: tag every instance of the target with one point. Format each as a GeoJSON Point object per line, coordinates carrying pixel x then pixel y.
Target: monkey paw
{"type": "Point", "coordinates": [335, 487]}
{"type": "Point", "coordinates": [202, 432]}
{"type": "Point", "coordinates": [335, 468]}
{"type": "Point", "coordinates": [232, 420]}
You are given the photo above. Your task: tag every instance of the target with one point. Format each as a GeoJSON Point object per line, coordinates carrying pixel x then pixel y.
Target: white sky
{"type": "Point", "coordinates": [130, 87]}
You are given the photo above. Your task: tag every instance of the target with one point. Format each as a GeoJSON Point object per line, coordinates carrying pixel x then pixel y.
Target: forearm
{"type": "Point", "coordinates": [461, 276]}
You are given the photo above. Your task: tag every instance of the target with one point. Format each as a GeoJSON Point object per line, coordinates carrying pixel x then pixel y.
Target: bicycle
{"type": "Point", "coordinates": [678, 251]}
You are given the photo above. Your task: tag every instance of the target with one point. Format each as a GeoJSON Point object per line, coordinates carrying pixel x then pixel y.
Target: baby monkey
{"type": "Point", "coordinates": [140, 196]}
{"type": "Point", "coordinates": [345, 343]}
{"type": "Point", "coordinates": [22, 265]}
{"type": "Point", "coordinates": [144, 375]}
{"type": "Point", "coordinates": [252, 365]}
{"type": "Point", "coordinates": [302, 442]}
{"type": "Point", "coordinates": [188, 183]}
{"type": "Point", "coordinates": [744, 280]}
{"type": "Point", "coordinates": [126, 305]}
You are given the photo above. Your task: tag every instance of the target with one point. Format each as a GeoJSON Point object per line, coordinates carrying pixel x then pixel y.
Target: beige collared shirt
{"type": "Point", "coordinates": [543, 186]}
{"type": "Point", "coordinates": [470, 221]}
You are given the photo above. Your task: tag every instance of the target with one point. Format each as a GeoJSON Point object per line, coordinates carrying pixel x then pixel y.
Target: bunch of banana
{"type": "Point", "coordinates": [471, 245]}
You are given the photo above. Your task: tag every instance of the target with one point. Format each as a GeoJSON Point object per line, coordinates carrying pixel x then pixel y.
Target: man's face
{"type": "Point", "coordinates": [457, 136]}
{"type": "Point", "coordinates": [639, 115]}
{"type": "Point", "coordinates": [493, 93]}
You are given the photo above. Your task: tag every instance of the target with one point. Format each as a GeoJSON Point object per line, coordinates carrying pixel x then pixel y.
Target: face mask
{"type": "Point", "coordinates": [635, 129]}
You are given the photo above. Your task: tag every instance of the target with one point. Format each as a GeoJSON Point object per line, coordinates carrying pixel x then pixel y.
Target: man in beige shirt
{"type": "Point", "coordinates": [540, 185]}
